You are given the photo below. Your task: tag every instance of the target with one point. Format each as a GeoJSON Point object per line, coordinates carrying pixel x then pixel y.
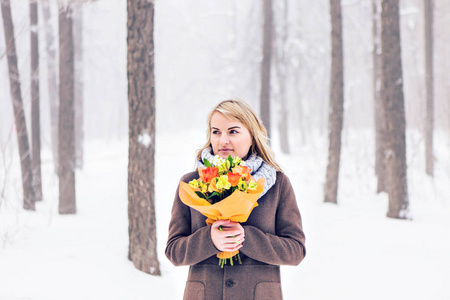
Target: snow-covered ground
{"type": "Point", "coordinates": [207, 52]}
{"type": "Point", "coordinates": [353, 250]}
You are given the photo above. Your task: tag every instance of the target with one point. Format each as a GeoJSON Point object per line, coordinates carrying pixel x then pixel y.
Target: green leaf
{"type": "Point", "coordinates": [200, 194]}
{"type": "Point", "coordinates": [212, 195]}
{"type": "Point", "coordinates": [231, 161]}
{"type": "Point", "coordinates": [206, 163]}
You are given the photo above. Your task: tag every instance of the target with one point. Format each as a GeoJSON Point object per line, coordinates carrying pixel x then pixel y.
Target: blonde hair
{"type": "Point", "coordinates": [238, 110]}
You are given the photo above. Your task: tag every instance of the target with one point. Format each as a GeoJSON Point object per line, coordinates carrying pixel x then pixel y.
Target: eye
{"type": "Point", "coordinates": [215, 132]}
{"type": "Point", "coordinates": [233, 131]}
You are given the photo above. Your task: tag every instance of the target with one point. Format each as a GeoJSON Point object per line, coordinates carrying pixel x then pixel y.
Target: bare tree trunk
{"type": "Point", "coordinates": [265, 66]}
{"type": "Point", "coordinates": [429, 124]}
{"type": "Point", "coordinates": [393, 103]}
{"type": "Point", "coordinates": [281, 67]}
{"type": "Point", "coordinates": [79, 101]}
{"type": "Point", "coordinates": [141, 172]}
{"type": "Point", "coordinates": [380, 160]}
{"type": "Point", "coordinates": [35, 102]}
{"type": "Point", "coordinates": [336, 109]}
{"type": "Point", "coordinates": [67, 202]}
{"type": "Point", "coordinates": [19, 116]}
{"type": "Point", "coordinates": [52, 79]}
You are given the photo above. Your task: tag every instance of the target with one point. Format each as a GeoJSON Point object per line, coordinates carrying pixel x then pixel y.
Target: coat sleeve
{"type": "Point", "coordinates": [287, 245]}
{"type": "Point", "coordinates": [183, 246]}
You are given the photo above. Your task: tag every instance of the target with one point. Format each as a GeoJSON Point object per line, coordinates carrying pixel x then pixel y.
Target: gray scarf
{"type": "Point", "coordinates": [260, 169]}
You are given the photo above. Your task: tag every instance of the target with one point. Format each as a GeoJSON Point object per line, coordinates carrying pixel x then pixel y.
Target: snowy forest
{"type": "Point", "coordinates": [103, 105]}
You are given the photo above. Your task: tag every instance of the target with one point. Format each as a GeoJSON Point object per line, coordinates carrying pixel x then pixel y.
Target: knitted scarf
{"type": "Point", "coordinates": [260, 169]}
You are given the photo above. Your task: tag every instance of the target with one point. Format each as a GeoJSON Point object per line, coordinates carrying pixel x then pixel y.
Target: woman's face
{"type": "Point", "coordinates": [229, 137]}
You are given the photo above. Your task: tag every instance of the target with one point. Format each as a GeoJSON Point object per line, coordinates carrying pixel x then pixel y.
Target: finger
{"type": "Point", "coordinates": [233, 225]}
{"type": "Point", "coordinates": [226, 232]}
{"type": "Point", "coordinates": [234, 241]}
{"type": "Point", "coordinates": [218, 223]}
{"type": "Point", "coordinates": [240, 241]}
{"type": "Point", "coordinates": [231, 238]}
{"type": "Point", "coordinates": [233, 233]}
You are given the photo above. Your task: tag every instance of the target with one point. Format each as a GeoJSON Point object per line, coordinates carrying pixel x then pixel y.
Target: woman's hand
{"type": "Point", "coordinates": [230, 238]}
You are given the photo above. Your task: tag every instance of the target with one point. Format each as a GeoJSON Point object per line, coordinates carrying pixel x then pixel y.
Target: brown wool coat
{"type": "Point", "coordinates": [273, 237]}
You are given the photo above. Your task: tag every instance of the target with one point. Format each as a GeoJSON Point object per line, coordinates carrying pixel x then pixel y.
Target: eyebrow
{"type": "Point", "coordinates": [227, 129]}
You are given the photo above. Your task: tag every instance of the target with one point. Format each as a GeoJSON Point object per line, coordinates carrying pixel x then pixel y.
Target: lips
{"type": "Point", "coordinates": [225, 150]}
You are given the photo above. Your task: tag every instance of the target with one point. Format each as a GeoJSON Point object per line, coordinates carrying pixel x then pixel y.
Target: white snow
{"type": "Point", "coordinates": [353, 250]}
{"type": "Point", "coordinates": [145, 139]}
{"type": "Point", "coordinates": [206, 52]}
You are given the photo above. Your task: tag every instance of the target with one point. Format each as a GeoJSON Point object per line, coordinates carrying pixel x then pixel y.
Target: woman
{"type": "Point", "coordinates": [272, 235]}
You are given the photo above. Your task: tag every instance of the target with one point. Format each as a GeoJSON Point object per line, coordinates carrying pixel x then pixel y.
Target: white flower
{"type": "Point", "coordinates": [217, 161]}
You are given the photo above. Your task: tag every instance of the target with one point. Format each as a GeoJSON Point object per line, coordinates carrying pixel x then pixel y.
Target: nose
{"type": "Point", "coordinates": [224, 139]}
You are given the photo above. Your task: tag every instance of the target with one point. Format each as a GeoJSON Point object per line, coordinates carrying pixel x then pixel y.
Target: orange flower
{"type": "Point", "coordinates": [233, 178]}
{"type": "Point", "coordinates": [243, 171]}
{"type": "Point", "coordinates": [209, 173]}
{"type": "Point", "coordinates": [237, 208]}
{"type": "Point", "coordinates": [213, 186]}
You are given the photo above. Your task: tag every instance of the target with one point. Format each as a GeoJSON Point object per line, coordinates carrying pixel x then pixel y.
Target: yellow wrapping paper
{"type": "Point", "coordinates": [236, 207]}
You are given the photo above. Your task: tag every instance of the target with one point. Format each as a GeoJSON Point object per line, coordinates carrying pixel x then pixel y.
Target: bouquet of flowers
{"type": "Point", "coordinates": [224, 191]}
